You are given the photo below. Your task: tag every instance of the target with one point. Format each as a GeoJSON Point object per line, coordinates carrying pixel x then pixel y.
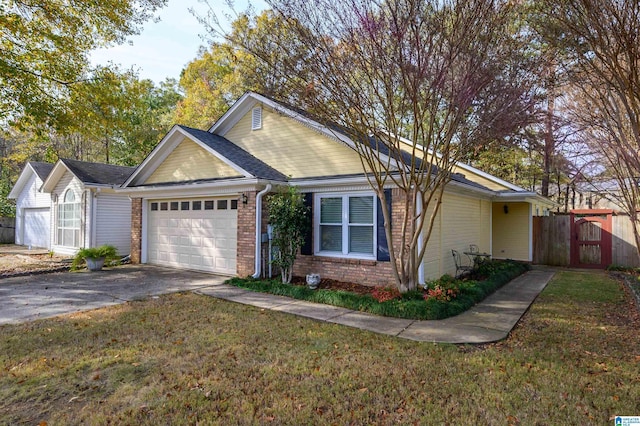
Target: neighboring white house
{"type": "Point", "coordinates": [85, 209]}
{"type": "Point", "coordinates": [33, 215]}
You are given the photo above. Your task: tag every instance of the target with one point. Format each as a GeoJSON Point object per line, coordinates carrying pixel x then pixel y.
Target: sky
{"type": "Point", "coordinates": [164, 48]}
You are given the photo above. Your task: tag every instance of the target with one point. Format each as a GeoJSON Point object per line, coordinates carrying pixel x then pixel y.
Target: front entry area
{"type": "Point", "coordinates": [198, 234]}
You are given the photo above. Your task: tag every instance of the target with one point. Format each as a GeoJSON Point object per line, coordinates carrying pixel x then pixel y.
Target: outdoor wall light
{"type": "Point", "coordinates": [506, 209]}
{"type": "Point", "coordinates": [245, 199]}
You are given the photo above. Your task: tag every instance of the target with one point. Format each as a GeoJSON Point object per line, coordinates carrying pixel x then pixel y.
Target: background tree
{"type": "Point", "coordinates": [220, 75]}
{"type": "Point", "coordinates": [600, 39]}
{"type": "Point", "coordinates": [44, 47]}
{"type": "Point", "coordinates": [403, 79]}
{"type": "Point", "coordinates": [112, 117]}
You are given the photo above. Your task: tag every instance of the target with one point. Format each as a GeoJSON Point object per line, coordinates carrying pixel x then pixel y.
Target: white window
{"type": "Point", "coordinates": [69, 220]}
{"type": "Point", "coordinates": [345, 225]}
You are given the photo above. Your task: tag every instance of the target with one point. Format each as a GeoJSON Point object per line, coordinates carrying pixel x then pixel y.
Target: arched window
{"type": "Point", "coordinates": [69, 220]}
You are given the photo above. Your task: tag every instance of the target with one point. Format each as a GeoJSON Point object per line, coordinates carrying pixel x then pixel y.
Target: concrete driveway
{"type": "Point", "coordinates": [47, 295]}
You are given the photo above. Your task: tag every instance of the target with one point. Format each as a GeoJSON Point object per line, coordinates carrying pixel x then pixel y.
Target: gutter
{"type": "Point", "coordinates": [259, 228]}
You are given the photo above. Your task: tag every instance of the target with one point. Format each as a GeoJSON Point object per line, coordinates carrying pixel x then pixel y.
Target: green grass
{"type": "Point", "coordinates": [412, 305]}
{"type": "Point", "coordinates": [187, 359]}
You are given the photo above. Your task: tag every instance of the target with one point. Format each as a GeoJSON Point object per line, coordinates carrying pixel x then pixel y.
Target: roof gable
{"type": "Point", "coordinates": [89, 174]}
{"type": "Point", "coordinates": [190, 162]}
{"type": "Point", "coordinates": [32, 168]}
{"type": "Point", "coordinates": [294, 148]}
{"type": "Point", "coordinates": [233, 157]}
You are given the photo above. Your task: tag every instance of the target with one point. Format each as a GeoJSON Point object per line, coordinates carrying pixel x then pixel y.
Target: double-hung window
{"type": "Point", "coordinates": [345, 225]}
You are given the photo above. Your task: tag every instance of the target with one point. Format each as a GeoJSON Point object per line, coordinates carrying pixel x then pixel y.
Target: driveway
{"type": "Point", "coordinates": [47, 295]}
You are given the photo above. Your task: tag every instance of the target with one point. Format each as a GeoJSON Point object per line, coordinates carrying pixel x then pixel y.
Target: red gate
{"type": "Point", "coordinates": [591, 238]}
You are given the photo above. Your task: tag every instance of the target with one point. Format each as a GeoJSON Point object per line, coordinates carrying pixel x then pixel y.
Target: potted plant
{"type": "Point", "coordinates": [94, 257]}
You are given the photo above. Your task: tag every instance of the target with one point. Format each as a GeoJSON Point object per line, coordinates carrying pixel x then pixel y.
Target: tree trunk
{"type": "Point", "coordinates": [549, 142]}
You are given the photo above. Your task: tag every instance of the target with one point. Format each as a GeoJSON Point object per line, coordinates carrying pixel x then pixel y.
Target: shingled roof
{"type": "Point", "coordinates": [98, 173]}
{"type": "Point", "coordinates": [236, 155]}
{"type": "Point", "coordinates": [42, 169]}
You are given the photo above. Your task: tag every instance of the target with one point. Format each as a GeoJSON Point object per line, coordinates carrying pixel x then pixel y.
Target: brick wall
{"type": "Point", "coordinates": [245, 257]}
{"type": "Point", "coordinates": [366, 272]}
{"type": "Point", "coordinates": [136, 230]}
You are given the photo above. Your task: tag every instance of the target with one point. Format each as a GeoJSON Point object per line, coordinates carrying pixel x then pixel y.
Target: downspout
{"type": "Point", "coordinates": [94, 218]}
{"type": "Point", "coordinates": [259, 228]}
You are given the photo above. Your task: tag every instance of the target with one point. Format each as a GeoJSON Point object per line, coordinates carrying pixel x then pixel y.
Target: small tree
{"type": "Point", "coordinates": [290, 218]}
{"type": "Point", "coordinates": [403, 79]}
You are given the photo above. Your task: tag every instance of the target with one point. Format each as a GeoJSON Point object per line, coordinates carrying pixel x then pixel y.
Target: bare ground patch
{"type": "Point", "coordinates": [14, 264]}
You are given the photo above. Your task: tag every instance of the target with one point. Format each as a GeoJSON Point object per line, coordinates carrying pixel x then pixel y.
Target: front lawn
{"type": "Point", "coordinates": [187, 359]}
{"type": "Point", "coordinates": [445, 297]}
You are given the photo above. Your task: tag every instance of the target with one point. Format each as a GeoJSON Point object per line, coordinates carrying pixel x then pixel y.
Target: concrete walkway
{"type": "Point", "coordinates": [42, 296]}
{"type": "Point", "coordinates": [489, 321]}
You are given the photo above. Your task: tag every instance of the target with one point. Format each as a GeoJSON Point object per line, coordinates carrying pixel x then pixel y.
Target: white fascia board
{"type": "Point", "coordinates": [354, 183]}
{"type": "Point", "coordinates": [343, 184]}
{"type": "Point", "coordinates": [526, 196]}
{"type": "Point", "coordinates": [24, 177]}
{"type": "Point", "coordinates": [461, 188]}
{"type": "Point", "coordinates": [155, 158]}
{"type": "Point", "coordinates": [234, 113]}
{"type": "Point", "coordinates": [470, 168]}
{"type": "Point", "coordinates": [195, 189]}
{"type": "Point", "coordinates": [56, 174]}
{"type": "Point", "coordinates": [101, 187]}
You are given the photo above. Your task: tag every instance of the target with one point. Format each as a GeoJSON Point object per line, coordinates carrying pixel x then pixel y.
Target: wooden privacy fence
{"type": "Point", "coordinates": [7, 230]}
{"type": "Point", "coordinates": [553, 236]}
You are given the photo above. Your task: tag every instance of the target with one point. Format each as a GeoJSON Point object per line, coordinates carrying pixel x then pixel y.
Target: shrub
{"type": "Point", "coordinates": [109, 252]}
{"type": "Point", "coordinates": [290, 219]}
{"type": "Point", "coordinates": [442, 298]}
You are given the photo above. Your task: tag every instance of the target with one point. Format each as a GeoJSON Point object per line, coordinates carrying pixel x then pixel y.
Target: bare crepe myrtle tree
{"type": "Point", "coordinates": [403, 79]}
{"type": "Point", "coordinates": [601, 39]}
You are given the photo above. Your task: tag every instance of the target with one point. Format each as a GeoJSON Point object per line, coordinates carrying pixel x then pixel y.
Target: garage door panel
{"type": "Point", "coordinates": [36, 229]}
{"type": "Point", "coordinates": [193, 239]}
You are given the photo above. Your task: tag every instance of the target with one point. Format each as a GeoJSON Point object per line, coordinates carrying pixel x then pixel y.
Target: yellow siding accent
{"type": "Point", "coordinates": [481, 180]}
{"type": "Point", "coordinates": [433, 256]}
{"type": "Point", "coordinates": [189, 161]}
{"type": "Point", "coordinates": [292, 148]}
{"type": "Point", "coordinates": [511, 231]}
{"type": "Point", "coordinates": [461, 221]}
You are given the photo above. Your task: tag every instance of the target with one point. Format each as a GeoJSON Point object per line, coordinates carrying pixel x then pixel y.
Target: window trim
{"type": "Point", "coordinates": [344, 225]}
{"type": "Point", "coordinates": [63, 209]}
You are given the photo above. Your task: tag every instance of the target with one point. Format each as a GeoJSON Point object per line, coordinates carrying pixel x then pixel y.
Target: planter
{"type": "Point", "coordinates": [95, 264]}
{"type": "Point", "coordinates": [313, 281]}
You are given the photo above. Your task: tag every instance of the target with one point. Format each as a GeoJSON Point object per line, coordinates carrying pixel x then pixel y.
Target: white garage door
{"type": "Point", "coordinates": [36, 231]}
{"type": "Point", "coordinates": [198, 234]}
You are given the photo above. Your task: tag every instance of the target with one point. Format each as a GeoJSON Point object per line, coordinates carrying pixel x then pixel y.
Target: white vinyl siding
{"type": "Point", "coordinates": [33, 205]}
{"type": "Point", "coordinates": [113, 222]}
{"type": "Point", "coordinates": [345, 225]}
